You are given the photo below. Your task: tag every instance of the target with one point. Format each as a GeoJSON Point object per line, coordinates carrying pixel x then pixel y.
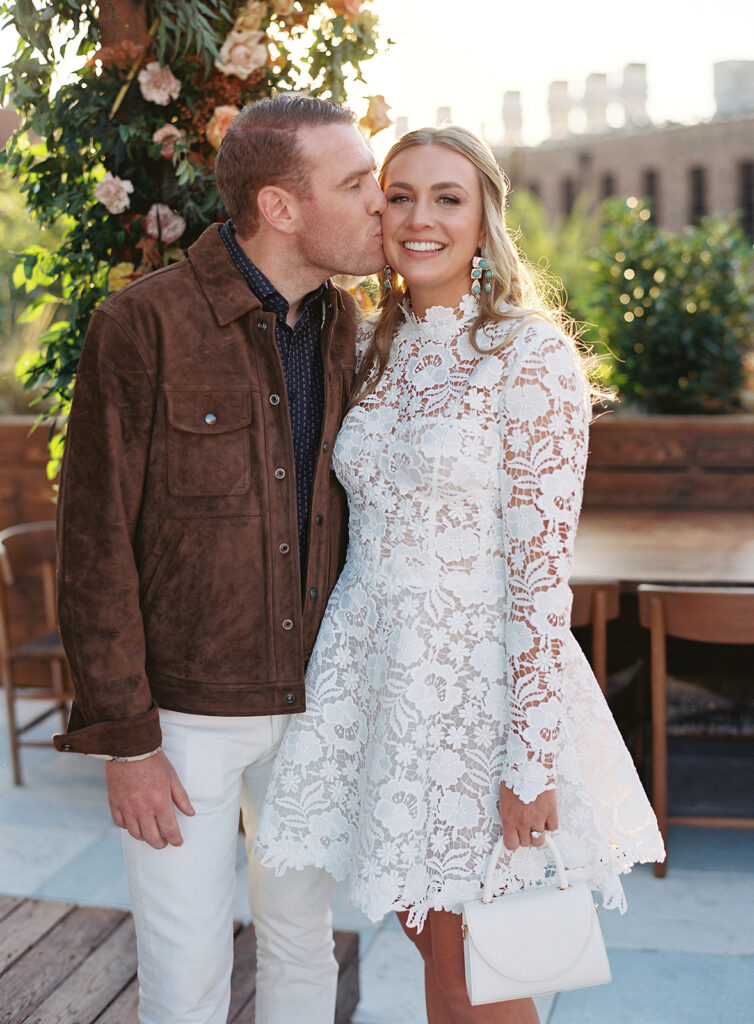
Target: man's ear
{"type": "Point", "coordinates": [279, 208]}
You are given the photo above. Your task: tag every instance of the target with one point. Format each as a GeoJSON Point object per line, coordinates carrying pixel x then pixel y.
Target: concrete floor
{"type": "Point", "coordinates": [683, 954]}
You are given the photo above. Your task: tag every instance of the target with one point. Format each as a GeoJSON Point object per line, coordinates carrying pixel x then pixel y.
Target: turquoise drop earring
{"type": "Point", "coordinates": [480, 265]}
{"type": "Point", "coordinates": [387, 278]}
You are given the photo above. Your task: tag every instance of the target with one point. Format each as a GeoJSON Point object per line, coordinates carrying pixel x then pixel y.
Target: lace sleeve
{"type": "Point", "coordinates": [545, 417]}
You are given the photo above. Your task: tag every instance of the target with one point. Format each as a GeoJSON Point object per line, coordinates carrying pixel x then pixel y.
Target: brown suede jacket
{"type": "Point", "coordinates": [178, 579]}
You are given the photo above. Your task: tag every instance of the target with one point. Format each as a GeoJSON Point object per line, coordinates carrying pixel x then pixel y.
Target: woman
{"type": "Point", "coordinates": [446, 696]}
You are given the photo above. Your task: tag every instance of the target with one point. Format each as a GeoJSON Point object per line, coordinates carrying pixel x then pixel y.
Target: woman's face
{"type": "Point", "coordinates": [432, 226]}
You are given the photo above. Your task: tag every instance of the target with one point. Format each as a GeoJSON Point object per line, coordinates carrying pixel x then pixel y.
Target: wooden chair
{"type": "Point", "coordinates": [595, 604]}
{"type": "Point", "coordinates": [29, 550]}
{"type": "Point", "coordinates": [714, 615]}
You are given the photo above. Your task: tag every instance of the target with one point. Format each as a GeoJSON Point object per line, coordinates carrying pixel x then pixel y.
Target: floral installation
{"type": "Point", "coordinates": [130, 138]}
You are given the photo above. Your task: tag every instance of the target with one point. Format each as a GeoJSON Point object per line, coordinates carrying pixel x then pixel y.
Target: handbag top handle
{"type": "Point", "coordinates": [563, 883]}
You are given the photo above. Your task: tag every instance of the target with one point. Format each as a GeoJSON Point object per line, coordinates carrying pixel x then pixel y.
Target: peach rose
{"type": "Point", "coordinates": [163, 223]}
{"type": "Point", "coordinates": [348, 8]}
{"type": "Point", "coordinates": [251, 16]}
{"type": "Point", "coordinates": [158, 85]}
{"type": "Point", "coordinates": [113, 193]}
{"type": "Point", "coordinates": [284, 7]}
{"type": "Point", "coordinates": [219, 123]}
{"type": "Point", "coordinates": [168, 135]}
{"type": "Point", "coordinates": [376, 117]}
{"type": "Point", "coordinates": [242, 53]}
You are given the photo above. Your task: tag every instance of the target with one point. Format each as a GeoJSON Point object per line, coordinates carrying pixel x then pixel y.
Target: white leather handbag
{"type": "Point", "coordinates": [543, 939]}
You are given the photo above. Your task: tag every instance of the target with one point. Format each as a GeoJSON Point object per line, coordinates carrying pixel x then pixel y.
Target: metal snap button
{"type": "Point", "coordinates": [274, 399]}
{"type": "Point", "coordinates": [318, 520]}
{"type": "Point", "coordinates": [313, 592]}
{"type": "Point", "coordinates": [284, 549]}
{"type": "Point", "coordinates": [66, 746]}
{"type": "Point", "coordinates": [325, 446]}
{"type": "Point", "coordinates": [262, 325]}
{"type": "Point", "coordinates": [287, 624]}
{"type": "Point", "coordinates": [290, 699]}
{"type": "Point", "coordinates": [280, 473]}
{"type": "Point", "coordinates": [210, 419]}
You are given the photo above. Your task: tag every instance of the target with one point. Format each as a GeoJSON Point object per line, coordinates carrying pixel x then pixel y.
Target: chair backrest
{"type": "Point", "coordinates": [585, 592]}
{"type": "Point", "coordinates": [715, 615]}
{"type": "Point", "coordinates": [25, 548]}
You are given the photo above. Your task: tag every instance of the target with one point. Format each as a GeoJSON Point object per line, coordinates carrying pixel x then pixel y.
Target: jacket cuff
{"type": "Point", "coordinates": [124, 737]}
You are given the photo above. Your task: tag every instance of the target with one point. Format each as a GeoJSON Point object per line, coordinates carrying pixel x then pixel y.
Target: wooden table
{"type": "Point", "coordinates": [63, 964]}
{"type": "Point", "coordinates": [637, 545]}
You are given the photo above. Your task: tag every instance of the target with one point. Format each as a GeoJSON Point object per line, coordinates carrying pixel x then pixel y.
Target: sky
{"type": "Point", "coordinates": [466, 53]}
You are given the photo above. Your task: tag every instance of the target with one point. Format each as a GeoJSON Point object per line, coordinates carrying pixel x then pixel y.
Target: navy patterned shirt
{"type": "Point", "coordinates": [302, 367]}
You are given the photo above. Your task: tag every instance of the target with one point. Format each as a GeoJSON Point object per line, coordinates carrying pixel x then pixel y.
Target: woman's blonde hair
{"type": "Point", "coordinates": [514, 281]}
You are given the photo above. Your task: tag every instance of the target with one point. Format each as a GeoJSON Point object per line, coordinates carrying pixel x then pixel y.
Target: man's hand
{"type": "Point", "coordinates": [520, 820]}
{"type": "Point", "coordinates": [142, 795]}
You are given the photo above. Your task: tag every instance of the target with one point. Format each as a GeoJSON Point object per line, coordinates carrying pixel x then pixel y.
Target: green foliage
{"type": "Point", "coordinates": [675, 311]}
{"type": "Point", "coordinates": [98, 120]}
{"type": "Point", "coordinates": [561, 251]}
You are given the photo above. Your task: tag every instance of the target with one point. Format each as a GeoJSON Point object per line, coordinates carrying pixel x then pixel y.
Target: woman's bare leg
{"type": "Point", "coordinates": [445, 979]}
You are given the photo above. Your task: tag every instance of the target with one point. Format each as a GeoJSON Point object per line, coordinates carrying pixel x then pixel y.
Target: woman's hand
{"type": "Point", "coordinates": [520, 820]}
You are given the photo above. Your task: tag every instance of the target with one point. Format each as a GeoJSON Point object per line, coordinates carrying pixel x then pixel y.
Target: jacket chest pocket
{"type": "Point", "coordinates": [208, 442]}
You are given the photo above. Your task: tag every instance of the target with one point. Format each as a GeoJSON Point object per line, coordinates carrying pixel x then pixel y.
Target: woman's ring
{"type": "Point", "coordinates": [536, 835]}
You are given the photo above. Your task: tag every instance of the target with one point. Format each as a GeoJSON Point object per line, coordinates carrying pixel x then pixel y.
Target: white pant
{"type": "Point", "coordinates": [182, 897]}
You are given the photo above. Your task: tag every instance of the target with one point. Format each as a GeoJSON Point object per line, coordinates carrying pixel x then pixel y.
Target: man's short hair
{"type": "Point", "coordinates": [261, 148]}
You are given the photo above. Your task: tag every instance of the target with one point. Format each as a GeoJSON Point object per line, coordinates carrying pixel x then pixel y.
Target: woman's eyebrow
{"type": "Point", "coordinates": [435, 188]}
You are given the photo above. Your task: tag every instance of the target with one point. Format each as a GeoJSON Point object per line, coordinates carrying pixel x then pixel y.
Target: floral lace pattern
{"type": "Point", "coordinates": [445, 662]}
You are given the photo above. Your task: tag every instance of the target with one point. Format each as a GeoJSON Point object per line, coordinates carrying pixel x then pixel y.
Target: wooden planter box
{"type": "Point", "coordinates": [671, 462]}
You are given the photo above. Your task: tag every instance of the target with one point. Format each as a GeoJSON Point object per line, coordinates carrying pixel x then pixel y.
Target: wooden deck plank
{"type": "Point", "coordinates": [47, 964]}
{"type": "Point", "coordinates": [8, 904]}
{"type": "Point", "coordinates": [26, 925]}
{"type": "Point", "coordinates": [95, 983]}
{"type": "Point", "coordinates": [77, 965]}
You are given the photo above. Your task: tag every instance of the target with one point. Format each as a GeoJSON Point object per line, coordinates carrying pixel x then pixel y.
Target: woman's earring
{"type": "Point", "coordinates": [480, 265]}
{"type": "Point", "coordinates": [387, 279]}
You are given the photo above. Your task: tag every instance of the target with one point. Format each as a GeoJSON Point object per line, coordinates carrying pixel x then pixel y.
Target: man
{"type": "Point", "coordinates": [201, 531]}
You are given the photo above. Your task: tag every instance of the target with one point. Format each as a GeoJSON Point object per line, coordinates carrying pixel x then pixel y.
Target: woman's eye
{"type": "Point", "coordinates": [397, 198]}
{"type": "Point", "coordinates": [450, 200]}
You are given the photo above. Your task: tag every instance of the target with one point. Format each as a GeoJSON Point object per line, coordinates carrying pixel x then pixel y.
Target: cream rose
{"type": "Point", "coordinates": [168, 135]}
{"type": "Point", "coordinates": [251, 16]}
{"type": "Point", "coordinates": [219, 123]}
{"type": "Point", "coordinates": [158, 85]}
{"type": "Point", "coordinates": [113, 193]}
{"type": "Point", "coordinates": [242, 53]}
{"type": "Point", "coordinates": [350, 8]}
{"type": "Point", "coordinates": [376, 117]}
{"type": "Point", "coordinates": [120, 275]}
{"type": "Point", "coordinates": [284, 7]}
{"type": "Point", "coordinates": [164, 223]}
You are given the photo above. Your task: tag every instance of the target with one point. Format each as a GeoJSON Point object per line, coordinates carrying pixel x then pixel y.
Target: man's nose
{"type": "Point", "coordinates": [378, 201]}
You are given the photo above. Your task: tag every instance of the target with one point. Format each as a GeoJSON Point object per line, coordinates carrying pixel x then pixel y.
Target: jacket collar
{"type": "Point", "coordinates": [222, 284]}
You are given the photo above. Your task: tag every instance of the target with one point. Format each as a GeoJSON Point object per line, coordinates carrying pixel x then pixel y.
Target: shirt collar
{"type": "Point", "coordinates": [264, 290]}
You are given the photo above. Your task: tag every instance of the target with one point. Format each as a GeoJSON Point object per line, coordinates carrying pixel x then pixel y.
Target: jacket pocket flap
{"type": "Point", "coordinates": [208, 412]}
{"type": "Point", "coordinates": [532, 935]}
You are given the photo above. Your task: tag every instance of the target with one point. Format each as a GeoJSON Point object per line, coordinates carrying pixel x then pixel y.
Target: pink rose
{"type": "Point", "coordinates": [158, 85]}
{"type": "Point", "coordinates": [168, 135]}
{"type": "Point", "coordinates": [164, 223]}
{"type": "Point", "coordinates": [376, 117]}
{"type": "Point", "coordinates": [349, 8]}
{"type": "Point", "coordinates": [242, 53]}
{"type": "Point", "coordinates": [113, 193]}
{"type": "Point", "coordinates": [219, 124]}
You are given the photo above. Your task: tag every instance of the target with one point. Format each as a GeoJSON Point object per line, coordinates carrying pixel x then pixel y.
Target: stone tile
{"type": "Point", "coordinates": [96, 877]}
{"type": "Point", "coordinates": [30, 855]}
{"type": "Point", "coordinates": [654, 987]}
{"type": "Point", "coordinates": [687, 911]}
{"type": "Point", "coordinates": [392, 982]}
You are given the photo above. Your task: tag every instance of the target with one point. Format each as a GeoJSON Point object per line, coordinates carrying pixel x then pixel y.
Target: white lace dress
{"type": "Point", "coordinates": [445, 662]}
